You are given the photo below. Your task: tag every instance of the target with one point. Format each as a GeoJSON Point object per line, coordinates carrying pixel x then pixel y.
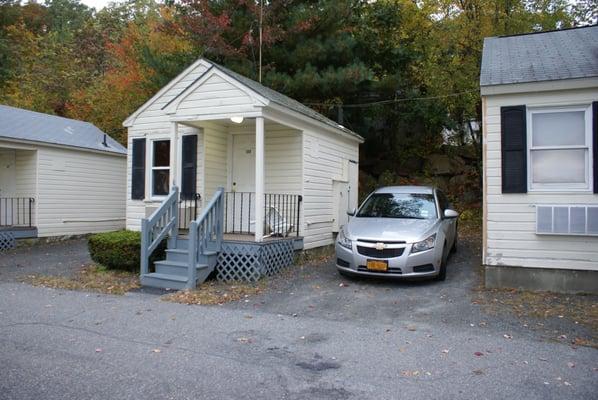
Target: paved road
{"type": "Point", "coordinates": [307, 338]}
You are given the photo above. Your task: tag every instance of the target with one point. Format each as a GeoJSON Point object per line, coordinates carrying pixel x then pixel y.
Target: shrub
{"type": "Point", "coordinates": [120, 250]}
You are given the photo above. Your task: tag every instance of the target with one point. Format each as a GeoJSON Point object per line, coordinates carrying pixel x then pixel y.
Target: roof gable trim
{"type": "Point", "coordinates": [173, 104]}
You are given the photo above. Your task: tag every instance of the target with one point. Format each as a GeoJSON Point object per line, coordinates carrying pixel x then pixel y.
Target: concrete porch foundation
{"type": "Point", "coordinates": [541, 279]}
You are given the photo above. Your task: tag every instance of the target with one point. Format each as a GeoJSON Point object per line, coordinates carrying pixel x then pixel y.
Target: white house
{"type": "Point", "coordinates": [58, 176]}
{"type": "Point", "coordinates": [277, 160]}
{"type": "Point", "coordinates": [540, 122]}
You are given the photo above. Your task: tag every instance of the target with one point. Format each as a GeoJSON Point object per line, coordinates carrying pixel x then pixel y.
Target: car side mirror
{"type": "Point", "coordinates": [352, 212]}
{"type": "Point", "coordinates": [448, 213]}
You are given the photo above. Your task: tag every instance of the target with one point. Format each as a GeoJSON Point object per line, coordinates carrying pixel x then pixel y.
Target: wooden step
{"type": "Point", "coordinates": [163, 281]}
{"type": "Point", "coordinates": [176, 268]}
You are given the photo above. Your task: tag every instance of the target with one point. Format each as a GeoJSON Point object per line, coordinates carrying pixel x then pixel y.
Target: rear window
{"type": "Point", "coordinates": [399, 205]}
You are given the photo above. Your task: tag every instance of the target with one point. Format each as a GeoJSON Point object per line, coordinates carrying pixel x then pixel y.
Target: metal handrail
{"type": "Point", "coordinates": [16, 211]}
{"type": "Point", "coordinates": [281, 213]}
{"type": "Point", "coordinates": [205, 232]}
{"type": "Point", "coordinates": [162, 223]}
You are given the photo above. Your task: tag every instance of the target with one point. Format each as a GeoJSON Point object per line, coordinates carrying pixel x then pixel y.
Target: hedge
{"type": "Point", "coordinates": [120, 250]}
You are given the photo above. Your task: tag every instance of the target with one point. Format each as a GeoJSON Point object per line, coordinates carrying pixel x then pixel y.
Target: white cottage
{"type": "Point", "coordinates": [285, 171]}
{"type": "Point", "coordinates": [540, 123]}
{"type": "Point", "coordinates": [58, 177]}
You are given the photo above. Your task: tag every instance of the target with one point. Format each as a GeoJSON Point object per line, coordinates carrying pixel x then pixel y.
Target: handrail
{"type": "Point", "coordinates": [207, 230]}
{"type": "Point", "coordinates": [16, 211]}
{"type": "Point", "coordinates": [162, 223]}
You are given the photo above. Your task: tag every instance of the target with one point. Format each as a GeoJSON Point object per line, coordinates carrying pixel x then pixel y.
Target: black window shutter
{"type": "Point", "coordinates": [189, 166]}
{"type": "Point", "coordinates": [138, 170]}
{"type": "Point", "coordinates": [595, 144]}
{"type": "Point", "coordinates": [513, 149]}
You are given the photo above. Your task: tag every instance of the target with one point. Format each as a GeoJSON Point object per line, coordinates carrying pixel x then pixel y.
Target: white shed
{"type": "Point", "coordinates": [276, 159]}
{"type": "Point", "coordinates": [540, 123]}
{"type": "Point", "coordinates": [58, 176]}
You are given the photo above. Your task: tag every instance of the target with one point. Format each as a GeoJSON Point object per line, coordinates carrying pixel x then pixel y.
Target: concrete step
{"type": "Point", "coordinates": [176, 268]}
{"type": "Point", "coordinates": [164, 281]}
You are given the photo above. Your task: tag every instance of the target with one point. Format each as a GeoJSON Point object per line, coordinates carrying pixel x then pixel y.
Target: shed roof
{"type": "Point", "coordinates": [21, 124]}
{"type": "Point", "coordinates": [543, 56]}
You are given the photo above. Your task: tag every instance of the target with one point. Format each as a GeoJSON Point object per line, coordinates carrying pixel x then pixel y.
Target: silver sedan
{"type": "Point", "coordinates": [399, 231]}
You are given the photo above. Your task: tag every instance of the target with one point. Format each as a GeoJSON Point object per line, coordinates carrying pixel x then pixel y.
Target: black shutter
{"type": "Point", "coordinates": [513, 149]}
{"type": "Point", "coordinates": [595, 144]}
{"type": "Point", "coordinates": [189, 166]}
{"type": "Point", "coordinates": [138, 170]}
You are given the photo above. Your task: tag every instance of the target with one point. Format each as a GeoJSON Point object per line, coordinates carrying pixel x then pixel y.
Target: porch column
{"type": "Point", "coordinates": [259, 179]}
{"type": "Point", "coordinates": [174, 152]}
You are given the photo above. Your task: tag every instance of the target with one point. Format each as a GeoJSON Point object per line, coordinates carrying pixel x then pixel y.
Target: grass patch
{"type": "Point", "coordinates": [214, 292]}
{"type": "Point", "coordinates": [92, 278]}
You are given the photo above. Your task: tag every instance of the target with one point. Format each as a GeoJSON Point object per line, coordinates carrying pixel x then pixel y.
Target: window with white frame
{"type": "Point", "coordinates": [160, 167]}
{"type": "Point", "coordinates": [559, 148]}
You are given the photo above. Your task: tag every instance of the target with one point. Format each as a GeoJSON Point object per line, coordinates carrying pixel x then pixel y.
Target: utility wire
{"type": "Point", "coordinates": [390, 101]}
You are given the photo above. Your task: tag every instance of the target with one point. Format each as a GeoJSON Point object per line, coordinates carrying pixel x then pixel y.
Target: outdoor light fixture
{"type": "Point", "coordinates": [236, 120]}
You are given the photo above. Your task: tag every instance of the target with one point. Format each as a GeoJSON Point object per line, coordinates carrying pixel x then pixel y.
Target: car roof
{"type": "Point", "coordinates": [406, 189]}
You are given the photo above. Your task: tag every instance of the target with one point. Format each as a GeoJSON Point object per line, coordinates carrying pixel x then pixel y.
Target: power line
{"type": "Point", "coordinates": [382, 102]}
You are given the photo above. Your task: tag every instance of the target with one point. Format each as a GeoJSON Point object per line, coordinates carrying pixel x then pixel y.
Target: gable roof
{"type": "Point", "coordinates": [543, 56]}
{"type": "Point", "coordinates": [21, 124]}
{"type": "Point", "coordinates": [256, 87]}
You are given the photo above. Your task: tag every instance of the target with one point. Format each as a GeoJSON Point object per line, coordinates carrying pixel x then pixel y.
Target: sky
{"type": "Point", "coordinates": [97, 4]}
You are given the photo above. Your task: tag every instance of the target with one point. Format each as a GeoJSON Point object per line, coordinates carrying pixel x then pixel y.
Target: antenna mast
{"type": "Point", "coordinates": [260, 30]}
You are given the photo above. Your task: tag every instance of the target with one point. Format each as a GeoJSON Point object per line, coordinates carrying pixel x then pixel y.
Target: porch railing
{"type": "Point", "coordinates": [163, 223]}
{"type": "Point", "coordinates": [281, 213]}
{"type": "Point", "coordinates": [189, 205]}
{"type": "Point", "coordinates": [16, 211]}
{"type": "Point", "coordinates": [205, 234]}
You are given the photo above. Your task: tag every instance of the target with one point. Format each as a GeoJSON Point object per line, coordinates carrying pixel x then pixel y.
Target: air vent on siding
{"type": "Point", "coordinates": [567, 220]}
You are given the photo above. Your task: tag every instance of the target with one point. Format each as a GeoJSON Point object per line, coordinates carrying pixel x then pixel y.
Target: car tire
{"type": "Point", "coordinates": [442, 273]}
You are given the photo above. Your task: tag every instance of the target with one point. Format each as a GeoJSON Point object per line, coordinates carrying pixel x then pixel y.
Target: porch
{"type": "Point", "coordinates": [17, 195]}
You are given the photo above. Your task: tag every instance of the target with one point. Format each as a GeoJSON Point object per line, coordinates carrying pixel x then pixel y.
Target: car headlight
{"type": "Point", "coordinates": [343, 241]}
{"type": "Point", "coordinates": [426, 244]}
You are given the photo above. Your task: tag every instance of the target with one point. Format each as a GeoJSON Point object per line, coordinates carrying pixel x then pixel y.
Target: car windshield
{"type": "Point", "coordinates": [399, 205]}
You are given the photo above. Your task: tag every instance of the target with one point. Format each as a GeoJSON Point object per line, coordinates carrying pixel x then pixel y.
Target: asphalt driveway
{"type": "Point", "coordinates": [311, 335]}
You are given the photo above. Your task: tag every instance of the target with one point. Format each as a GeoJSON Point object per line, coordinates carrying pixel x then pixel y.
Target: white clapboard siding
{"type": "Point", "coordinates": [511, 218]}
{"type": "Point", "coordinates": [215, 161]}
{"type": "Point", "coordinates": [326, 157]}
{"type": "Point", "coordinates": [26, 174]}
{"type": "Point", "coordinates": [153, 121]}
{"type": "Point", "coordinates": [79, 192]}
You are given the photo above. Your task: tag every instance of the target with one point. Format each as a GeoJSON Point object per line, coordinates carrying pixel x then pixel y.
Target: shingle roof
{"type": "Point", "coordinates": [543, 56]}
{"type": "Point", "coordinates": [17, 123]}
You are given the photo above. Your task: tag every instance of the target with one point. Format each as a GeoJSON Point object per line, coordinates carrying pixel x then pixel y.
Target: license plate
{"type": "Point", "coordinates": [375, 265]}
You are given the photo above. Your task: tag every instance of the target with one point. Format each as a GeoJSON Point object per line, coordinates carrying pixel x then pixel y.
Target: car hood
{"type": "Point", "coordinates": [390, 229]}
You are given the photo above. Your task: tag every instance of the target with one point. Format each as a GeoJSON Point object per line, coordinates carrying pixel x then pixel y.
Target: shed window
{"type": "Point", "coordinates": [560, 149]}
{"type": "Point", "coordinates": [160, 167]}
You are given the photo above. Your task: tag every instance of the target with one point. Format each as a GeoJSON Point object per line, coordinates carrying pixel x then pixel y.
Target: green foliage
{"type": "Point", "coordinates": [120, 250]}
{"type": "Point", "coordinates": [415, 63]}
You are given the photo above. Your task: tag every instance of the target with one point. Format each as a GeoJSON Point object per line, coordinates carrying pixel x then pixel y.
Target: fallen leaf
{"type": "Point", "coordinates": [98, 350]}
{"type": "Point", "coordinates": [506, 336]}
{"type": "Point", "coordinates": [571, 365]}
{"type": "Point", "coordinates": [156, 350]}
{"type": "Point", "coordinates": [566, 383]}
{"type": "Point", "coordinates": [478, 353]}
{"type": "Point", "coordinates": [445, 351]}
{"type": "Point", "coordinates": [244, 340]}
{"type": "Point", "coordinates": [411, 328]}
{"type": "Point", "coordinates": [342, 284]}
{"type": "Point", "coordinates": [478, 372]}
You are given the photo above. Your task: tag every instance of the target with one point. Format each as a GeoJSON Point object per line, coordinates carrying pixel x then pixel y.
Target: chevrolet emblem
{"type": "Point", "coordinates": [380, 246]}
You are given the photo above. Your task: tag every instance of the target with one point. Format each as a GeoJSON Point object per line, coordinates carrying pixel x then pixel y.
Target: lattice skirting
{"type": "Point", "coordinates": [247, 261]}
{"type": "Point", "coordinates": [7, 240]}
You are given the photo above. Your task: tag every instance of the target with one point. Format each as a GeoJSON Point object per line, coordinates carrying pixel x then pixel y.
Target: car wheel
{"type": "Point", "coordinates": [442, 274]}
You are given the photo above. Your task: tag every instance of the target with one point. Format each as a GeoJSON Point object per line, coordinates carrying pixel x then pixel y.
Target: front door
{"type": "Point", "coordinates": [243, 177]}
{"type": "Point", "coordinates": [7, 185]}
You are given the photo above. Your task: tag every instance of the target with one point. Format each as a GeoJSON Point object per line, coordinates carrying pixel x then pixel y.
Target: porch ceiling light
{"type": "Point", "coordinates": [237, 119]}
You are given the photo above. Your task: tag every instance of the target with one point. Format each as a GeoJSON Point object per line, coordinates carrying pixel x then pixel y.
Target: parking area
{"type": "Point", "coordinates": [309, 334]}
